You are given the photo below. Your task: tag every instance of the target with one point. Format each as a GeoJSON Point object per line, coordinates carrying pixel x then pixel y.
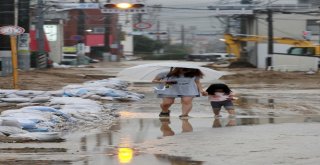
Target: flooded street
{"type": "Point", "coordinates": [139, 124]}
{"type": "Point", "coordinates": [270, 120]}
{"type": "Point", "coordinates": [82, 82]}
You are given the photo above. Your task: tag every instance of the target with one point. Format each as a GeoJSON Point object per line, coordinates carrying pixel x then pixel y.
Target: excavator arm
{"type": "Point", "coordinates": [233, 42]}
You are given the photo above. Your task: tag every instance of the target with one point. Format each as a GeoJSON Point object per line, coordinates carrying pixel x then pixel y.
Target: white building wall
{"type": "Point", "coordinates": [285, 25]}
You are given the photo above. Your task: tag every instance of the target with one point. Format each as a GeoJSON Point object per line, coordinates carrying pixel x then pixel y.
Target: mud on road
{"type": "Point", "coordinates": [261, 93]}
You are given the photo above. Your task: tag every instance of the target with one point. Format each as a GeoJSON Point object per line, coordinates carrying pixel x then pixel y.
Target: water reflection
{"type": "Point", "coordinates": [119, 145]}
{"type": "Point", "coordinates": [167, 130]}
{"type": "Point", "coordinates": [217, 123]}
{"type": "Point", "coordinates": [175, 160]}
{"type": "Point", "coordinates": [125, 155]}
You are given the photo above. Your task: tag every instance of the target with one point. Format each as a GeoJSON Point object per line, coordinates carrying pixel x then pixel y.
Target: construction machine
{"type": "Point", "coordinates": [299, 48]}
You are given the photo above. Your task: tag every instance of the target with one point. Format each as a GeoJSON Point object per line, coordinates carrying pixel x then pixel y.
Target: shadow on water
{"type": "Point", "coordinates": [119, 145]}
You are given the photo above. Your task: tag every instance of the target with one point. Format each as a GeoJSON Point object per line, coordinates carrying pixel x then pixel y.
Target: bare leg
{"type": "Point", "coordinates": [186, 105]}
{"type": "Point", "coordinates": [216, 112]}
{"type": "Point", "coordinates": [166, 104]}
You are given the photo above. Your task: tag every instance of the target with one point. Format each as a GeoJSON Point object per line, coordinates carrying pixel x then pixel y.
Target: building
{"type": "Point", "coordinates": [290, 20]}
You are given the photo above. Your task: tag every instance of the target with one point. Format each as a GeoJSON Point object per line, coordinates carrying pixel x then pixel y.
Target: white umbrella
{"type": "Point", "coordinates": [147, 72]}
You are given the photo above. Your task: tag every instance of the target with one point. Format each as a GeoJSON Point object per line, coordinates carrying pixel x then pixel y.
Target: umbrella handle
{"type": "Point", "coordinates": [160, 89]}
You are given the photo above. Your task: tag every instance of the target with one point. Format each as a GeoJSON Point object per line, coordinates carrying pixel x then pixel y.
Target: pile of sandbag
{"type": "Point", "coordinates": [63, 114]}
{"type": "Point", "coordinates": [108, 89]}
{"type": "Point", "coordinates": [45, 114]}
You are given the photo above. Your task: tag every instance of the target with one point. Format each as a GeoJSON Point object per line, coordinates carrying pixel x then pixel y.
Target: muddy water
{"type": "Point", "coordinates": [139, 123]}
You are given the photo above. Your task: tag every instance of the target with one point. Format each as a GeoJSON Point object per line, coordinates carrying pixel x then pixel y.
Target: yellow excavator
{"type": "Point", "coordinates": [300, 47]}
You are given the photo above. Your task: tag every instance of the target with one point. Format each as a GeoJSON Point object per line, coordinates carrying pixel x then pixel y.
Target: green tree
{"type": "Point", "coordinates": [145, 45]}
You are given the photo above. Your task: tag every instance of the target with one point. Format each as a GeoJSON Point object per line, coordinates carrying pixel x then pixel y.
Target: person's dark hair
{"type": "Point", "coordinates": [214, 87]}
{"type": "Point", "coordinates": [187, 72]}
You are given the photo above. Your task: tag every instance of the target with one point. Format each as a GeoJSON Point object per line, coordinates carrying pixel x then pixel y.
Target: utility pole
{"type": "Point", "coordinates": [107, 33]}
{"type": "Point", "coordinates": [169, 36]}
{"type": "Point", "coordinates": [270, 37]}
{"type": "Point", "coordinates": [81, 22]}
{"type": "Point", "coordinates": [158, 30]}
{"type": "Point", "coordinates": [228, 25]}
{"type": "Point", "coordinates": [243, 30]}
{"type": "Point", "coordinates": [16, 11]}
{"type": "Point", "coordinates": [41, 58]}
{"type": "Point", "coordinates": [39, 27]}
{"type": "Point", "coordinates": [182, 36]}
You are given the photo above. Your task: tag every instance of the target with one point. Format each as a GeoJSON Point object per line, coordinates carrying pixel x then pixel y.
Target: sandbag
{"type": "Point", "coordinates": [46, 109]}
{"type": "Point", "coordinates": [39, 99]}
{"type": "Point", "coordinates": [8, 130]}
{"type": "Point", "coordinates": [29, 93]}
{"type": "Point", "coordinates": [41, 136]}
{"type": "Point", "coordinates": [16, 100]}
{"type": "Point", "coordinates": [10, 122]}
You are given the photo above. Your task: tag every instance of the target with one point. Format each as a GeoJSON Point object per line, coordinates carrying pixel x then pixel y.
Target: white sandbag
{"type": "Point", "coordinates": [27, 104]}
{"type": "Point", "coordinates": [41, 136]}
{"type": "Point", "coordinates": [75, 92]}
{"type": "Point", "coordinates": [35, 116]}
{"type": "Point", "coordinates": [58, 93]}
{"type": "Point", "coordinates": [94, 97]}
{"type": "Point", "coordinates": [7, 91]}
{"type": "Point", "coordinates": [28, 93]}
{"type": "Point", "coordinates": [81, 117]}
{"type": "Point", "coordinates": [6, 112]}
{"type": "Point", "coordinates": [16, 100]}
{"type": "Point", "coordinates": [72, 101]}
{"type": "Point", "coordinates": [81, 108]}
{"type": "Point", "coordinates": [34, 109]}
{"type": "Point", "coordinates": [110, 83]}
{"type": "Point", "coordinates": [12, 122]}
{"type": "Point", "coordinates": [8, 130]}
{"type": "Point", "coordinates": [38, 99]}
{"type": "Point", "coordinates": [27, 124]}
{"type": "Point", "coordinates": [107, 98]}
{"type": "Point", "coordinates": [128, 98]}
{"type": "Point", "coordinates": [12, 95]}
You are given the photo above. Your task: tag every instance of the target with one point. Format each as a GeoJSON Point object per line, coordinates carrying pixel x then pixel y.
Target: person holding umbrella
{"type": "Point", "coordinates": [181, 83]}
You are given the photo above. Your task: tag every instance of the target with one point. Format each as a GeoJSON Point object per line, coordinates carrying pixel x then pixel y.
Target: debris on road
{"type": "Point", "coordinates": [62, 110]}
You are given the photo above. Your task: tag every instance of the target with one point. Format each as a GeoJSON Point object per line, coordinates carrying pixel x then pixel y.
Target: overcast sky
{"type": "Point", "coordinates": [203, 20]}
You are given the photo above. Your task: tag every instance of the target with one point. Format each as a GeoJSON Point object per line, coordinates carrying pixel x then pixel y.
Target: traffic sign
{"type": "Point", "coordinates": [142, 25]}
{"type": "Point", "coordinates": [11, 30]}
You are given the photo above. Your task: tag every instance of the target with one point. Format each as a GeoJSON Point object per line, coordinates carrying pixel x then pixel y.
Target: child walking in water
{"type": "Point", "coordinates": [220, 95]}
